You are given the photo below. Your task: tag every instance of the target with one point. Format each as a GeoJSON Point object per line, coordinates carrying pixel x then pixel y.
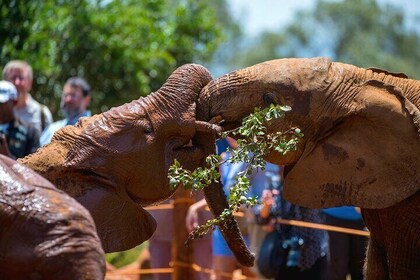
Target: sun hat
{"type": "Point", "coordinates": [7, 91]}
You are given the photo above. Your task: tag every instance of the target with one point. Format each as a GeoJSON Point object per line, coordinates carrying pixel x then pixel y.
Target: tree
{"type": "Point", "coordinates": [359, 32]}
{"type": "Point", "coordinates": [223, 60]}
{"type": "Point", "coordinates": [125, 49]}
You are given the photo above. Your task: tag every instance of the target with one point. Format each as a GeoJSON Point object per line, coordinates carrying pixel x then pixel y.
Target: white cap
{"type": "Point", "coordinates": [7, 91]}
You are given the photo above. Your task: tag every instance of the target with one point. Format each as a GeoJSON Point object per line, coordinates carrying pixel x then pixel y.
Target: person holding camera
{"type": "Point", "coordinates": [17, 139]}
{"type": "Point", "coordinates": [306, 250]}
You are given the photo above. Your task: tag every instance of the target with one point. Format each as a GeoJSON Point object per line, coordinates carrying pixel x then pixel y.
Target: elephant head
{"type": "Point", "coordinates": [361, 126]}
{"type": "Point", "coordinates": [116, 163]}
{"type": "Point", "coordinates": [44, 233]}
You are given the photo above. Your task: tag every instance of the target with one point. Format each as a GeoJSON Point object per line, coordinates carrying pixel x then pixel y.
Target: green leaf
{"type": "Point", "coordinates": [252, 149]}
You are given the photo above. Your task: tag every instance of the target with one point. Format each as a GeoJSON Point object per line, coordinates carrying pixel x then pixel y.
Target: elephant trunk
{"type": "Point", "coordinates": [234, 89]}
{"type": "Point", "coordinates": [215, 196]}
{"type": "Point", "coordinates": [230, 98]}
{"type": "Point", "coordinates": [182, 88]}
{"type": "Point", "coordinates": [216, 201]}
{"type": "Point", "coordinates": [192, 78]}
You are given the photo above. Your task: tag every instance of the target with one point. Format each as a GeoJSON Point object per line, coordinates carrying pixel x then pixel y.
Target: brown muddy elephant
{"type": "Point", "coordinates": [44, 233]}
{"type": "Point", "coordinates": [361, 145]}
{"type": "Point", "coordinates": [116, 163]}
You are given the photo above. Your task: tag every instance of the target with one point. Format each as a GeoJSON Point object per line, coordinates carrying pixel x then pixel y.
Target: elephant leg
{"type": "Point", "coordinates": [376, 267]}
{"type": "Point", "coordinates": [403, 250]}
{"type": "Point", "coordinates": [394, 247]}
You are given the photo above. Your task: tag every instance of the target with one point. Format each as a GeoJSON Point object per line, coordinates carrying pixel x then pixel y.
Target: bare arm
{"type": "Point", "coordinates": [191, 220]}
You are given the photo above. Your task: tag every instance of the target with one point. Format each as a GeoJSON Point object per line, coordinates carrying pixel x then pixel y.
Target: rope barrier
{"type": "Point", "coordinates": [194, 266]}
{"type": "Point", "coordinates": [183, 200]}
{"type": "Point", "coordinates": [159, 207]}
{"type": "Point", "coordinates": [198, 268]}
{"type": "Point", "coordinates": [140, 271]}
{"type": "Point", "coordinates": [283, 221]}
{"type": "Point", "coordinates": [322, 226]}
{"type": "Point", "coordinates": [170, 205]}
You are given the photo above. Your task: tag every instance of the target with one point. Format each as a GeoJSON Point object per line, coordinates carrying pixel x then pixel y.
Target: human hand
{"type": "Point", "coordinates": [268, 197]}
{"type": "Point", "coordinates": [4, 148]}
{"type": "Point", "coordinates": [268, 200]}
{"type": "Point", "coordinates": [191, 220]}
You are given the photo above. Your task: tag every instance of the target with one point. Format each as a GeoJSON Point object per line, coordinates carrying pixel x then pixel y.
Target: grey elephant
{"type": "Point", "coordinates": [361, 145]}
{"type": "Point", "coordinates": [116, 163]}
{"type": "Point", "coordinates": [44, 233]}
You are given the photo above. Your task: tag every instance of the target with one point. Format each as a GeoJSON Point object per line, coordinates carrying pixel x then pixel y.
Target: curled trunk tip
{"type": "Point", "coordinates": [190, 77]}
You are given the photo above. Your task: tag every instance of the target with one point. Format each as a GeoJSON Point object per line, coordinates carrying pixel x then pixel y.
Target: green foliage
{"type": "Point", "coordinates": [120, 259]}
{"type": "Point", "coordinates": [254, 145]}
{"type": "Point", "coordinates": [125, 49]}
{"type": "Point", "coordinates": [365, 33]}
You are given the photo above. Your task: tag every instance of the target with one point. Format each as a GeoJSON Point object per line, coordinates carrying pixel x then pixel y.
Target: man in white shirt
{"type": "Point", "coordinates": [74, 102]}
{"type": "Point", "coordinates": [30, 111]}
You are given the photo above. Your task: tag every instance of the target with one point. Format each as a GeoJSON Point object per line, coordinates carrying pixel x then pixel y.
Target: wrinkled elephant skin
{"type": "Point", "coordinates": [44, 233]}
{"type": "Point", "coordinates": [361, 145]}
{"type": "Point", "coordinates": [116, 163]}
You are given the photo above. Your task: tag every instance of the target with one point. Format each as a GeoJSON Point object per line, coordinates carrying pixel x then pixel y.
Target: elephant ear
{"type": "Point", "coordinates": [370, 159]}
{"type": "Point", "coordinates": [121, 224]}
{"type": "Point", "coordinates": [378, 70]}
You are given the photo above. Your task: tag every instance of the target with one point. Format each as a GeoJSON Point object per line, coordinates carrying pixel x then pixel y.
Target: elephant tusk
{"type": "Point", "coordinates": [217, 119]}
{"type": "Point", "coordinates": [209, 128]}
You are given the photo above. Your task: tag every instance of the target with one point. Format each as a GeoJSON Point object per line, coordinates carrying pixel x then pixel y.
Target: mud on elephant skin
{"type": "Point", "coordinates": [116, 163]}
{"type": "Point", "coordinates": [44, 233]}
{"type": "Point", "coordinates": [361, 144]}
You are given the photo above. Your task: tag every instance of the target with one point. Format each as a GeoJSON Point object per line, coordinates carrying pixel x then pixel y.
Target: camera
{"type": "Point", "coordinates": [293, 244]}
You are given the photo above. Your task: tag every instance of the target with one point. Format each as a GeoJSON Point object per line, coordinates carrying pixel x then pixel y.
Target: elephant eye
{"type": "Point", "coordinates": [145, 125]}
{"type": "Point", "coordinates": [147, 128]}
{"type": "Point", "coordinates": [270, 98]}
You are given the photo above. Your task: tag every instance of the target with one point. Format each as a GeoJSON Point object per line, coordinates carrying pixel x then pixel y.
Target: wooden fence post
{"type": "Point", "coordinates": [182, 256]}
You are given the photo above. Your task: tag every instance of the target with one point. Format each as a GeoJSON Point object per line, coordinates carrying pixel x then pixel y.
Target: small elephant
{"type": "Point", "coordinates": [44, 233]}
{"type": "Point", "coordinates": [117, 162]}
{"type": "Point", "coordinates": [361, 145]}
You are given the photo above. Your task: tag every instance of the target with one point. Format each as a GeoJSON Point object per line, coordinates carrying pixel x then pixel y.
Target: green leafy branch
{"type": "Point", "coordinates": [254, 143]}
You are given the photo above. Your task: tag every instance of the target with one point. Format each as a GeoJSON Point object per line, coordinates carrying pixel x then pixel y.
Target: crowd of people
{"type": "Point", "coordinates": [26, 125]}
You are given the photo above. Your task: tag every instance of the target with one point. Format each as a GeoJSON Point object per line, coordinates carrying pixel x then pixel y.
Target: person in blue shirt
{"type": "Point", "coordinates": [314, 254]}
{"type": "Point", "coordinates": [223, 259]}
{"type": "Point", "coordinates": [347, 251]}
{"type": "Point", "coordinates": [74, 102]}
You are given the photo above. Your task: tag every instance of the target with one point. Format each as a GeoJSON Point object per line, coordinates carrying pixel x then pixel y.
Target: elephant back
{"type": "Point", "coordinates": [44, 233]}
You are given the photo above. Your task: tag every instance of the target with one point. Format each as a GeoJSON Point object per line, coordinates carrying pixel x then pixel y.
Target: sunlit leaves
{"type": "Point", "coordinates": [254, 144]}
{"type": "Point", "coordinates": [199, 178]}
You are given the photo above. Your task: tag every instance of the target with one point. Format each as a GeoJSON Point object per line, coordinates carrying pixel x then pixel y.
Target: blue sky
{"type": "Point", "coordinates": [257, 15]}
